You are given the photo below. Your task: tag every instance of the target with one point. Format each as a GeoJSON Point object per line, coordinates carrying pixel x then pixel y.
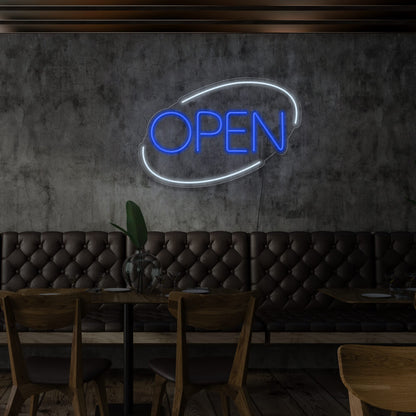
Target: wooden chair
{"type": "Point", "coordinates": [381, 376]}
{"type": "Point", "coordinates": [35, 375]}
{"type": "Point", "coordinates": [226, 375]}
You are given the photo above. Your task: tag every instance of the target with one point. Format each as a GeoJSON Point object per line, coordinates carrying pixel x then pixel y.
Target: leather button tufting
{"type": "Point", "coordinates": [17, 246]}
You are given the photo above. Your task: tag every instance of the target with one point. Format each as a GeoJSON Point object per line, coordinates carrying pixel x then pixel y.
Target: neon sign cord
{"type": "Point", "coordinates": [260, 203]}
{"type": "Point", "coordinates": [260, 199]}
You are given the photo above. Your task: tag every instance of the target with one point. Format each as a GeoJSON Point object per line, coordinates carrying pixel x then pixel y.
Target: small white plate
{"type": "Point", "coordinates": [376, 295]}
{"type": "Point", "coordinates": [197, 290]}
{"type": "Point", "coordinates": [117, 289]}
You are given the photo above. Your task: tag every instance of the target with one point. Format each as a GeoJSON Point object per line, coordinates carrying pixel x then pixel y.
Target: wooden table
{"type": "Point", "coordinates": [354, 295]}
{"type": "Point", "coordinates": [127, 299]}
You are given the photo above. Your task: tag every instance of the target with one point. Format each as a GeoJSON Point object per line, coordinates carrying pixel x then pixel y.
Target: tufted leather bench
{"type": "Point", "coordinates": [395, 255]}
{"type": "Point", "coordinates": [50, 259]}
{"type": "Point", "coordinates": [286, 269]}
{"type": "Point", "coordinates": [214, 260]}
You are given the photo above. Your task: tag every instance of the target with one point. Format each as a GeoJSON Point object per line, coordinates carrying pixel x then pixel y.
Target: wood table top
{"type": "Point", "coordinates": [103, 295]}
{"type": "Point", "coordinates": [131, 296]}
{"type": "Point", "coordinates": [111, 295]}
{"type": "Point", "coordinates": [368, 295]}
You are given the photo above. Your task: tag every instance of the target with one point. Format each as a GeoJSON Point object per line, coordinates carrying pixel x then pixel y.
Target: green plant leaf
{"type": "Point", "coordinates": [120, 228]}
{"type": "Point", "coordinates": [136, 225]}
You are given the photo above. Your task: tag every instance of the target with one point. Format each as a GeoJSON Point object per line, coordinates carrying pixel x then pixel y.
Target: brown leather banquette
{"type": "Point", "coordinates": [289, 268]}
{"type": "Point", "coordinates": [286, 269]}
{"type": "Point", "coordinates": [54, 259]}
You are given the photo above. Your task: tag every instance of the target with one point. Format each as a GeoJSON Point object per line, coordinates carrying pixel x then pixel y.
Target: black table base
{"type": "Point", "coordinates": [128, 360]}
{"type": "Point", "coordinates": [128, 408]}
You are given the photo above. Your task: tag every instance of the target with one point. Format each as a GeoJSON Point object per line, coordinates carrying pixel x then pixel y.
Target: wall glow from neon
{"type": "Point", "coordinates": [236, 131]}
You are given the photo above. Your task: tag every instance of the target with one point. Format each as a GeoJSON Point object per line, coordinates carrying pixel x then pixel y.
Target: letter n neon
{"type": "Point", "coordinates": [278, 144]}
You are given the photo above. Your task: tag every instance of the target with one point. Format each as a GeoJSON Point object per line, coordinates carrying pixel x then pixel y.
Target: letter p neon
{"type": "Point", "coordinates": [200, 133]}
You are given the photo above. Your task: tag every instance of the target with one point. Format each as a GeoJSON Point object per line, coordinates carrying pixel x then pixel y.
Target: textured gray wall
{"type": "Point", "coordinates": [73, 109]}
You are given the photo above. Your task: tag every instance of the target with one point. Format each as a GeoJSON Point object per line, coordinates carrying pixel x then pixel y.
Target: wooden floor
{"type": "Point", "coordinates": [274, 393]}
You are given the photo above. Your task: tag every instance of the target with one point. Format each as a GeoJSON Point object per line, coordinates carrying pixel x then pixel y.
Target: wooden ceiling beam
{"type": "Point", "coordinates": [251, 16]}
{"type": "Point", "coordinates": [210, 3]}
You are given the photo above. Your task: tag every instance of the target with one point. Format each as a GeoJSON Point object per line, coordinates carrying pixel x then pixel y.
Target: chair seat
{"type": "Point", "coordinates": [202, 371]}
{"type": "Point", "coordinates": [55, 370]}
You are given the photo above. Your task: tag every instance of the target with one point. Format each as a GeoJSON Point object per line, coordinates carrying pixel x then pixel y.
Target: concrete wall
{"type": "Point", "coordinates": [74, 108]}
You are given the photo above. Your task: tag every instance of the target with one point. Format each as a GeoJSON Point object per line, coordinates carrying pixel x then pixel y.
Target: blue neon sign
{"type": "Point", "coordinates": [236, 132]}
{"type": "Point", "coordinates": [229, 121]}
{"type": "Point", "coordinates": [161, 116]}
{"type": "Point", "coordinates": [199, 133]}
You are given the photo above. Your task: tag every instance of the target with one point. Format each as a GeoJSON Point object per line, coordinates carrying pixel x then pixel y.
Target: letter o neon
{"type": "Point", "coordinates": [153, 127]}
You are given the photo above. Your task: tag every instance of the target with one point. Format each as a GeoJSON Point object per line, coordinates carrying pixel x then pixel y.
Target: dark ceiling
{"type": "Point", "coordinates": [244, 16]}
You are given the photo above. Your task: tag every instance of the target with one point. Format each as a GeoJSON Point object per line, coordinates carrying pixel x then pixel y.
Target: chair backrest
{"type": "Point", "coordinates": [42, 312]}
{"type": "Point", "coordinates": [211, 311]}
{"type": "Point", "coordinates": [222, 311]}
{"type": "Point", "coordinates": [382, 376]}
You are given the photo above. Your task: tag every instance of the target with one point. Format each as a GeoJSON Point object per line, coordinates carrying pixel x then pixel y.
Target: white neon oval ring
{"type": "Point", "coordinates": [230, 83]}
{"type": "Point", "coordinates": [231, 175]}
{"type": "Point", "coordinates": [199, 182]}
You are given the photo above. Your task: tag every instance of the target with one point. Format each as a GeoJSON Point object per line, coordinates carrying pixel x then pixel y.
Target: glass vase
{"type": "Point", "coordinates": [141, 271]}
